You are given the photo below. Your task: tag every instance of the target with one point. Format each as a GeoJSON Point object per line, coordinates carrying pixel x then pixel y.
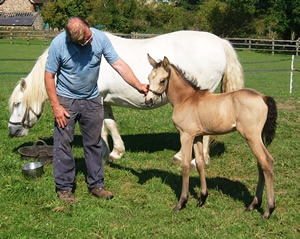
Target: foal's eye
{"type": "Point", "coordinates": [163, 81]}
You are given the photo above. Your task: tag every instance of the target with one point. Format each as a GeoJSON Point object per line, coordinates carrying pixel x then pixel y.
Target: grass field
{"type": "Point", "coordinates": [145, 182]}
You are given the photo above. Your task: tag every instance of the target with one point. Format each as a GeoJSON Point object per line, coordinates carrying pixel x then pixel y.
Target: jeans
{"type": "Point", "coordinates": [89, 114]}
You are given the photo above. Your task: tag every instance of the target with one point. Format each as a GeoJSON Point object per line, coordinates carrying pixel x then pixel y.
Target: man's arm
{"type": "Point", "coordinates": [59, 112]}
{"type": "Point", "coordinates": [127, 74]}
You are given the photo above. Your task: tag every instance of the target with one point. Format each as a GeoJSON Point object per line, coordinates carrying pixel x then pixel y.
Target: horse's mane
{"type": "Point", "coordinates": [189, 79]}
{"type": "Point", "coordinates": [33, 85]}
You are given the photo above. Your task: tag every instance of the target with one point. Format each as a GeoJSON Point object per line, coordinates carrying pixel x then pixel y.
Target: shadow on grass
{"type": "Point", "coordinates": [143, 143]}
{"type": "Point", "coordinates": [233, 189]}
{"type": "Point", "coordinates": [161, 141]}
{"type": "Point", "coordinates": [158, 142]}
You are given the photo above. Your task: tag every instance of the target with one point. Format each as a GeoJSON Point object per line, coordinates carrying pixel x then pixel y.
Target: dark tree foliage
{"type": "Point", "coordinates": [284, 18]}
{"type": "Point", "coordinates": [189, 4]}
{"type": "Point", "coordinates": [226, 18]}
{"type": "Point", "coordinates": [57, 12]}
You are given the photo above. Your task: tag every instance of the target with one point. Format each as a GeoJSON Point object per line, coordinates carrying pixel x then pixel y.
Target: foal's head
{"type": "Point", "coordinates": [158, 80]}
{"type": "Point", "coordinates": [160, 76]}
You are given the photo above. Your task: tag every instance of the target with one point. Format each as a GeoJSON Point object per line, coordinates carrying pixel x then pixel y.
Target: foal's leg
{"type": "Point", "coordinates": [198, 149]}
{"type": "Point", "coordinates": [186, 151]}
{"type": "Point", "coordinates": [265, 169]}
{"type": "Point", "coordinates": [259, 190]}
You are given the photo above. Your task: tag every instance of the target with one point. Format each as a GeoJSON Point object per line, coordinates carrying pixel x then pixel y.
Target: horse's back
{"type": "Point", "coordinates": [199, 54]}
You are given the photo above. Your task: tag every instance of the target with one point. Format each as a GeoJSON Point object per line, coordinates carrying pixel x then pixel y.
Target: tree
{"type": "Point", "coordinates": [284, 18]}
{"type": "Point", "coordinates": [226, 18]}
{"type": "Point", "coordinates": [115, 15]}
{"type": "Point", "coordinates": [57, 12]}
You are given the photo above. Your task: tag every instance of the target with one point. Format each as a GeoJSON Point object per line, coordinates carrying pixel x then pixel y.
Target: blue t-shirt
{"type": "Point", "coordinates": [77, 67]}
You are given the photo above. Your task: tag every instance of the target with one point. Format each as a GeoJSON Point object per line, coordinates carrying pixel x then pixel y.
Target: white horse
{"type": "Point", "coordinates": [205, 57]}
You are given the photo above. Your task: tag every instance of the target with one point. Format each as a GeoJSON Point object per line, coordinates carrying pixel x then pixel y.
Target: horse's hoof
{"type": "Point", "coordinates": [176, 159]}
{"type": "Point", "coordinates": [114, 155]}
{"type": "Point", "coordinates": [254, 205]}
{"type": "Point", "coordinates": [202, 199]}
{"type": "Point", "coordinates": [193, 164]}
{"type": "Point", "coordinates": [207, 161]}
{"type": "Point", "coordinates": [268, 213]}
{"type": "Point", "coordinates": [176, 208]}
{"type": "Point", "coordinates": [179, 207]}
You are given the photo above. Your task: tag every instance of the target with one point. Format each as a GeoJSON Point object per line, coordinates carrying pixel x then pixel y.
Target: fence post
{"type": "Point", "coordinates": [28, 39]}
{"type": "Point", "coordinates": [292, 73]}
{"type": "Point", "coordinates": [297, 46]}
{"type": "Point", "coordinates": [249, 47]}
{"type": "Point", "coordinates": [273, 46]}
{"type": "Point", "coordinates": [11, 37]}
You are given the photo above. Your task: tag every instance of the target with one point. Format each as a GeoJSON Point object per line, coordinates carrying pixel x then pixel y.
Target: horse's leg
{"type": "Point", "coordinates": [206, 142]}
{"type": "Point", "coordinates": [177, 157]}
{"type": "Point", "coordinates": [186, 152]}
{"type": "Point", "coordinates": [265, 169]}
{"type": "Point", "coordinates": [200, 164]}
{"type": "Point", "coordinates": [104, 141]}
{"type": "Point", "coordinates": [118, 144]}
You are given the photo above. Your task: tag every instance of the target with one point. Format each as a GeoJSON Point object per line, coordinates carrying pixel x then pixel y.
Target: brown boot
{"type": "Point", "coordinates": [101, 193]}
{"type": "Point", "coordinates": [66, 196]}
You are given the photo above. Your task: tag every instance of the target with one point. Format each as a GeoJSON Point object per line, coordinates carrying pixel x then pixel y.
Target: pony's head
{"type": "Point", "coordinates": [26, 101]}
{"type": "Point", "coordinates": [158, 80]}
{"type": "Point", "coordinates": [24, 113]}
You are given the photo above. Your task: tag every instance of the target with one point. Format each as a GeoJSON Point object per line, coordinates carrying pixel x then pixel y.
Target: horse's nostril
{"type": "Point", "coordinates": [149, 102]}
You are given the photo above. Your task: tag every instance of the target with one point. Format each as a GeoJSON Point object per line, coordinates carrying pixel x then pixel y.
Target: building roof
{"type": "Point", "coordinates": [17, 19]}
{"type": "Point", "coordinates": [38, 1]}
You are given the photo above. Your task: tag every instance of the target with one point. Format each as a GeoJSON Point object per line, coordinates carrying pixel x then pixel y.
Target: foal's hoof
{"type": "Point", "coordinates": [179, 207]}
{"type": "Point", "coordinates": [202, 199]}
{"type": "Point", "coordinates": [268, 213]}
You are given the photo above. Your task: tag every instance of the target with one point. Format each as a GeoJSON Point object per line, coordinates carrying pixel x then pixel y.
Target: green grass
{"type": "Point", "coordinates": [145, 182]}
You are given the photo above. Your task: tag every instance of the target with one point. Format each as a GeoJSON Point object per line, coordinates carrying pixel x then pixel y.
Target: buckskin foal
{"type": "Point", "coordinates": [198, 112]}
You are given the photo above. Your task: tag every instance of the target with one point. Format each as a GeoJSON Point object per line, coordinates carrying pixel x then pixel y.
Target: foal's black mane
{"type": "Point", "coordinates": [190, 80]}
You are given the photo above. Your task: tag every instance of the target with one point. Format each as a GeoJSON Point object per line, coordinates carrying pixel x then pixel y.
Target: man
{"type": "Point", "coordinates": [75, 57]}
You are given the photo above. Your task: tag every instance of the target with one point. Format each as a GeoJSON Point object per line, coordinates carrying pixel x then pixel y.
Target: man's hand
{"type": "Point", "coordinates": [60, 115]}
{"type": "Point", "coordinates": [143, 89]}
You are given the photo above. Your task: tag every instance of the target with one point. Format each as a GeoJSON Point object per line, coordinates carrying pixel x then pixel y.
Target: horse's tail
{"type": "Point", "coordinates": [233, 78]}
{"type": "Point", "coordinates": [268, 132]}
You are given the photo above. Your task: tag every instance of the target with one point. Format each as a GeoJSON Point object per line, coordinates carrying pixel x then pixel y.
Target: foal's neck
{"type": "Point", "coordinates": [179, 89]}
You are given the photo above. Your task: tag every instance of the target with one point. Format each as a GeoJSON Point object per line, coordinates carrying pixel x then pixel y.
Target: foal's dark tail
{"type": "Point", "coordinates": [268, 132]}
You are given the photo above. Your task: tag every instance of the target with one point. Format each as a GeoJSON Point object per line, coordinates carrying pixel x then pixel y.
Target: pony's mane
{"type": "Point", "coordinates": [34, 87]}
{"type": "Point", "coordinates": [188, 79]}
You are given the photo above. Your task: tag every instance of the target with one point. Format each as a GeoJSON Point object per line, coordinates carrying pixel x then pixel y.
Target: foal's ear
{"type": "Point", "coordinates": [151, 60]}
{"type": "Point", "coordinates": [23, 84]}
{"type": "Point", "coordinates": [166, 62]}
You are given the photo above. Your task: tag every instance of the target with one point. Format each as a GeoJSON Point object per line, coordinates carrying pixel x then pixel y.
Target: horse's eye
{"type": "Point", "coordinates": [16, 104]}
{"type": "Point", "coordinates": [163, 82]}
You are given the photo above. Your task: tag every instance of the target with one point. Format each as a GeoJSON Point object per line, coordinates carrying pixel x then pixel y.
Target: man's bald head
{"type": "Point", "coordinates": [76, 29]}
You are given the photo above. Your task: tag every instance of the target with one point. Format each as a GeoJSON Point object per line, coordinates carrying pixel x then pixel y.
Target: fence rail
{"type": "Point", "coordinates": [271, 45]}
{"type": "Point", "coordinates": [29, 36]}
